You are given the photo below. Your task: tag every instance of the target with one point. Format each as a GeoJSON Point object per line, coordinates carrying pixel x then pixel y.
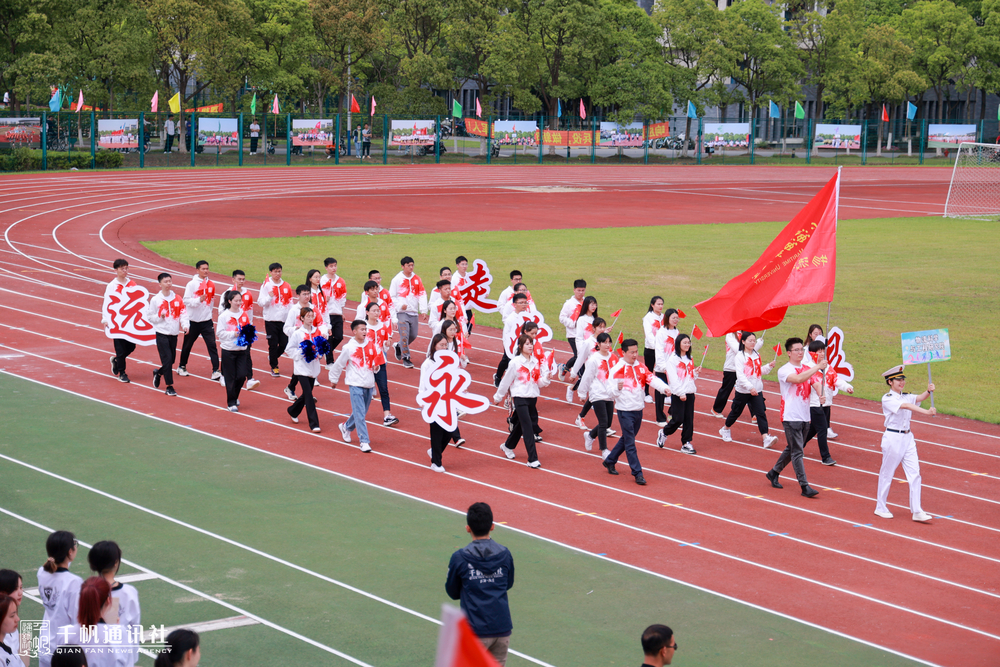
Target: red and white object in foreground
{"type": "Point", "coordinates": [458, 645]}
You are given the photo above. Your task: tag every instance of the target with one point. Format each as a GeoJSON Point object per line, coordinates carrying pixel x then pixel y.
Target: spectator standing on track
{"type": "Point", "coordinates": [169, 129]}
{"type": "Point", "coordinates": [380, 333]}
{"type": "Point", "coordinates": [794, 381]}
{"type": "Point", "coordinates": [479, 576]}
{"type": "Point", "coordinates": [105, 558]}
{"type": "Point", "coordinates": [651, 322]}
{"type": "Point", "coordinates": [275, 300]}
{"type": "Point", "coordinates": [734, 346]}
{"type": "Point", "coordinates": [408, 293]}
{"type": "Point", "coordinates": [681, 376]}
{"type": "Point", "coordinates": [168, 315]}
{"type": "Point", "coordinates": [568, 315]}
{"type": "Point", "coordinates": [898, 445]}
{"type": "Point", "coordinates": [335, 289]}
{"type": "Point", "coordinates": [358, 359]}
{"type": "Point", "coordinates": [235, 347]}
{"type": "Point", "coordinates": [123, 347]}
{"type": "Point", "coordinates": [749, 387]}
{"type": "Point", "coordinates": [658, 646]}
{"type": "Point", "coordinates": [306, 367]}
{"type": "Point", "coordinates": [183, 650]}
{"type": "Point", "coordinates": [664, 348]}
{"type": "Point", "coordinates": [199, 295]}
{"type": "Point", "coordinates": [58, 588]}
{"type": "Point", "coordinates": [629, 377]}
{"type": "Point", "coordinates": [524, 380]}
{"type": "Point", "coordinates": [254, 135]}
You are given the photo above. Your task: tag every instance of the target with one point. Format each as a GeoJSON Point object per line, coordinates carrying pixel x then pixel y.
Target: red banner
{"type": "Point", "coordinates": [476, 128]}
{"type": "Point", "coordinates": [211, 108]}
{"type": "Point", "coordinates": [658, 130]}
{"type": "Point", "coordinates": [568, 138]}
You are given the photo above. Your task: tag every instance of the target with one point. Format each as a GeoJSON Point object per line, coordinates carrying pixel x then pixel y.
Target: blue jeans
{"type": "Point", "coordinates": [631, 421]}
{"type": "Point", "coordinates": [361, 398]}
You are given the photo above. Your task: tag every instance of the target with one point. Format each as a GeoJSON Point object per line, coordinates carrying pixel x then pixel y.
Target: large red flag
{"type": "Point", "coordinates": [800, 266]}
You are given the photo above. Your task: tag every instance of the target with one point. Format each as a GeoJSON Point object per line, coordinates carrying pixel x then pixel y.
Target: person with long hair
{"type": "Point", "coordinates": [58, 587]}
{"type": "Point", "coordinates": [12, 585]}
{"type": "Point", "coordinates": [105, 558]}
{"type": "Point", "coordinates": [183, 649]}
{"type": "Point", "coordinates": [651, 322]}
{"type": "Point", "coordinates": [380, 333]}
{"type": "Point", "coordinates": [9, 622]}
{"type": "Point", "coordinates": [815, 332]}
{"type": "Point", "coordinates": [524, 380]}
{"type": "Point", "coordinates": [584, 330]}
{"type": "Point", "coordinates": [439, 436]}
{"type": "Point", "coordinates": [733, 347]}
{"type": "Point", "coordinates": [583, 353]}
{"type": "Point", "coordinates": [234, 327]}
{"type": "Point", "coordinates": [749, 387]}
{"type": "Point", "coordinates": [92, 629]}
{"type": "Point", "coordinates": [681, 374]}
{"type": "Point", "coordinates": [595, 385]}
{"type": "Point", "coordinates": [453, 333]}
{"type": "Point", "coordinates": [306, 346]}
{"type": "Point", "coordinates": [664, 347]}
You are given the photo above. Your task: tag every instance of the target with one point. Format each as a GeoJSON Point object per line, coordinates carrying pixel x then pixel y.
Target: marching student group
{"type": "Point", "coordinates": [307, 324]}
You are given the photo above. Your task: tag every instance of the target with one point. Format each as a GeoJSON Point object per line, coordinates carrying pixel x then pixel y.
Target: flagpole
{"type": "Point", "coordinates": [829, 305]}
{"type": "Point", "coordinates": [703, 357]}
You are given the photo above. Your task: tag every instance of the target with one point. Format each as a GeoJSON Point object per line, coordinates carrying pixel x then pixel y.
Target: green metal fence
{"type": "Point", "coordinates": [99, 139]}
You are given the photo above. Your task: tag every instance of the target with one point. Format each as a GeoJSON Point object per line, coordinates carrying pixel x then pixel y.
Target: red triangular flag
{"type": "Point", "coordinates": [621, 337]}
{"type": "Point", "coordinates": [798, 267]}
{"type": "Point", "coordinates": [885, 114]}
{"type": "Point", "coordinates": [616, 313]}
{"type": "Point", "coordinates": [458, 645]}
{"type": "Point", "coordinates": [697, 333]}
{"type": "Point", "coordinates": [777, 350]}
{"type": "Point", "coordinates": [355, 107]}
{"type": "Point", "coordinates": [680, 314]}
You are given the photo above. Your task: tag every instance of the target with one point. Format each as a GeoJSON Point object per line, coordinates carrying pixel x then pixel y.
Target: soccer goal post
{"type": "Point", "coordinates": [975, 182]}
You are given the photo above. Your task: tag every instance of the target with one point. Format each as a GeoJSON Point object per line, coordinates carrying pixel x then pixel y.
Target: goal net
{"type": "Point", "coordinates": [975, 182]}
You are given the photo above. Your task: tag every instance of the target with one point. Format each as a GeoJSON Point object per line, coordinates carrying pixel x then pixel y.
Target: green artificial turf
{"type": "Point", "coordinates": [569, 608]}
{"type": "Point", "coordinates": [893, 275]}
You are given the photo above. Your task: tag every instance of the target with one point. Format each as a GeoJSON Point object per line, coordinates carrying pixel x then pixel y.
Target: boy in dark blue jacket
{"type": "Point", "coordinates": [480, 576]}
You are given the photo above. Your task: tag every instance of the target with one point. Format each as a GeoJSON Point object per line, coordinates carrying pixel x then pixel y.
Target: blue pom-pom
{"type": "Point", "coordinates": [308, 350]}
{"type": "Point", "coordinates": [248, 335]}
{"type": "Point", "coordinates": [322, 345]}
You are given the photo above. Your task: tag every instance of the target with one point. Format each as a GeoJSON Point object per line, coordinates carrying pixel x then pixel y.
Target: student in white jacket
{"type": "Point", "coordinates": [820, 399]}
{"type": "Point", "coordinates": [59, 589]}
{"type": "Point", "coordinates": [511, 330]}
{"type": "Point", "coordinates": [168, 315]}
{"type": "Point", "coordinates": [664, 347]}
{"type": "Point", "coordinates": [651, 322]}
{"type": "Point", "coordinates": [199, 296]}
{"type": "Point", "coordinates": [294, 320]}
{"type": "Point", "coordinates": [733, 347]}
{"type": "Point", "coordinates": [584, 330]}
{"type": "Point", "coordinates": [335, 290]}
{"type": "Point", "coordinates": [749, 387]}
{"type": "Point", "coordinates": [596, 387]}
{"type": "Point", "coordinates": [524, 380]}
{"type": "Point", "coordinates": [681, 374]}
{"type": "Point", "coordinates": [9, 621]}
{"type": "Point", "coordinates": [568, 315]}
{"type": "Point", "coordinates": [235, 350]}
{"type": "Point", "coordinates": [357, 362]}
{"type": "Point", "coordinates": [508, 292]}
{"type": "Point", "coordinates": [410, 298]}
{"type": "Point", "coordinates": [583, 353]}
{"type": "Point", "coordinates": [380, 333]}
{"type": "Point", "coordinates": [439, 436]}
{"type": "Point", "coordinates": [305, 370]}
{"type": "Point", "coordinates": [275, 299]}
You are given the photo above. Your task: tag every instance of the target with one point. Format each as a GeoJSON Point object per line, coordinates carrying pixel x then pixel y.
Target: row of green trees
{"type": "Point", "coordinates": [858, 55]}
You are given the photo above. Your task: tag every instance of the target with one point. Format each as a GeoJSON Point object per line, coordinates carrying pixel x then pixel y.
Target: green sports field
{"type": "Point", "coordinates": [152, 486]}
{"type": "Point", "coordinates": [893, 275]}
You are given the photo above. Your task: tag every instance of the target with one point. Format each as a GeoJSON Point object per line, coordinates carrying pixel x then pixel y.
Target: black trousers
{"type": "Point", "coordinates": [649, 358]}
{"type": "Point", "coordinates": [235, 370]}
{"type": "Point", "coordinates": [123, 348]}
{"type": "Point", "coordinates": [336, 333]}
{"type": "Point", "coordinates": [439, 439]}
{"type": "Point", "coordinates": [166, 346]}
{"type": "Point", "coordinates": [366, 149]}
{"type": "Point", "coordinates": [524, 427]}
{"type": "Point", "coordinates": [572, 360]}
{"type": "Point", "coordinates": [277, 341]}
{"type": "Point", "coordinates": [207, 331]}
{"type": "Point", "coordinates": [468, 320]}
{"type": "Point", "coordinates": [170, 143]}
{"type": "Point", "coordinates": [605, 411]}
{"type": "Point", "coordinates": [728, 382]}
{"type": "Point", "coordinates": [818, 424]}
{"type": "Point", "coordinates": [305, 401]}
{"type": "Point", "coordinates": [253, 144]}
{"type": "Point", "coordinates": [382, 382]}
{"type": "Point", "coordinates": [502, 368]}
{"type": "Point", "coordinates": [681, 416]}
{"type": "Point", "coordinates": [658, 400]}
{"type": "Point", "coordinates": [757, 409]}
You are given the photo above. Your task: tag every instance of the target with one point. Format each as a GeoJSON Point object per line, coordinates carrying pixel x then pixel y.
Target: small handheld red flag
{"type": "Point", "coordinates": [621, 337]}
{"type": "Point", "coordinates": [777, 349]}
{"type": "Point", "coordinates": [680, 314]}
{"type": "Point", "coordinates": [472, 320]}
{"type": "Point", "coordinates": [697, 333]}
{"type": "Point", "coordinates": [616, 313]}
{"type": "Point", "coordinates": [355, 107]}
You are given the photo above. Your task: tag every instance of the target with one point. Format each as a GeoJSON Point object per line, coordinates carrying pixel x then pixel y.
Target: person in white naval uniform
{"type": "Point", "coordinates": [898, 445]}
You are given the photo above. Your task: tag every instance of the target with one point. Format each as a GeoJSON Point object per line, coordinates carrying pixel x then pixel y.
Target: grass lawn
{"type": "Point", "coordinates": [893, 275]}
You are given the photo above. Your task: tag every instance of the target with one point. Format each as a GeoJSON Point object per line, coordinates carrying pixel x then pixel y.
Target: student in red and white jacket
{"type": "Point", "coordinates": [524, 380]}
{"type": "Point", "coordinates": [651, 322]}
{"type": "Point", "coordinates": [439, 437]}
{"type": "Point", "coordinates": [511, 330]}
{"type": "Point", "coordinates": [596, 386]}
{"type": "Point", "coordinates": [168, 315]}
{"type": "Point", "coordinates": [519, 288]}
{"type": "Point", "coordinates": [681, 373]}
{"type": "Point", "coordinates": [380, 333]}
{"type": "Point", "coordinates": [733, 347]}
{"type": "Point", "coordinates": [508, 292]}
{"type": "Point", "coordinates": [749, 387]}
{"type": "Point", "coordinates": [335, 290]}
{"type": "Point", "coordinates": [583, 353]}
{"type": "Point", "coordinates": [409, 296]}
{"type": "Point", "coordinates": [568, 315]}
{"type": "Point", "coordinates": [584, 330]}
{"type": "Point", "coordinates": [235, 353]}
{"type": "Point", "coordinates": [821, 398]}
{"type": "Point", "coordinates": [629, 378]}
{"type": "Point", "coordinates": [275, 299]}
{"type": "Point", "coordinates": [460, 280]}
{"type": "Point", "coordinates": [357, 362]}
{"type": "Point", "coordinates": [381, 294]}
{"type": "Point", "coordinates": [239, 285]}
{"type": "Point", "coordinates": [305, 370]}
{"type": "Point", "coordinates": [199, 296]}
{"type": "Point", "coordinates": [123, 347]}
{"type": "Point", "coordinates": [664, 348]}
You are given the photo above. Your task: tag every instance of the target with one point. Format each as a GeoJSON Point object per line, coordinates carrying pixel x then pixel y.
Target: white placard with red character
{"type": "Point", "coordinates": [475, 288]}
{"type": "Point", "coordinates": [837, 359]}
{"type": "Point", "coordinates": [447, 393]}
{"type": "Point", "coordinates": [123, 305]}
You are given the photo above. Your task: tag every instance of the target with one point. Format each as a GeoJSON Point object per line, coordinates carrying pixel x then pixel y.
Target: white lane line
{"type": "Point", "coordinates": [211, 626]}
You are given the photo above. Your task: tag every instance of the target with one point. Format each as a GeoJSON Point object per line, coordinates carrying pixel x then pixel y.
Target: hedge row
{"type": "Point", "coordinates": [28, 159]}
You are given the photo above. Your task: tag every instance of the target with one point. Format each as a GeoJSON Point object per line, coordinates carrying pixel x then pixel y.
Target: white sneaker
{"type": "Point", "coordinates": [538, 464]}
{"type": "Point", "coordinates": [430, 453]}
{"type": "Point", "coordinates": [365, 447]}
{"type": "Point", "coordinates": [830, 434]}
{"type": "Point", "coordinates": [610, 432]}
{"type": "Point", "coordinates": [509, 453]}
{"type": "Point", "coordinates": [688, 448]}
{"type": "Point", "coordinates": [569, 393]}
{"type": "Point", "coordinates": [922, 516]}
{"type": "Point", "coordinates": [216, 375]}
{"type": "Point", "coordinates": [437, 468]}
{"type": "Point", "coordinates": [344, 433]}
{"type": "Point", "coordinates": [182, 371]}
{"type": "Point", "coordinates": [605, 453]}
{"type": "Point", "coordinates": [221, 380]}
{"type": "Point", "coordinates": [649, 399]}
{"type": "Point", "coordinates": [726, 434]}
{"type": "Point", "coordinates": [661, 424]}
{"type": "Point", "coordinates": [660, 439]}
{"type": "Point", "coordinates": [316, 430]}
{"type": "Point", "coordinates": [562, 373]}
{"type": "Point", "coordinates": [769, 440]}
{"type": "Point", "coordinates": [233, 408]}
{"type": "Point", "coordinates": [580, 425]}
{"type": "Point", "coordinates": [290, 394]}
{"type": "Point", "coordinates": [252, 384]}
{"type": "Point", "coordinates": [718, 414]}
{"type": "Point", "coordinates": [588, 442]}
{"type": "Point", "coordinates": [885, 514]}
{"type": "Point", "coordinates": [295, 420]}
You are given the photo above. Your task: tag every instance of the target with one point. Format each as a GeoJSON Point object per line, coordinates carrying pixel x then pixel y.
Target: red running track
{"type": "Point", "coordinates": [927, 591]}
